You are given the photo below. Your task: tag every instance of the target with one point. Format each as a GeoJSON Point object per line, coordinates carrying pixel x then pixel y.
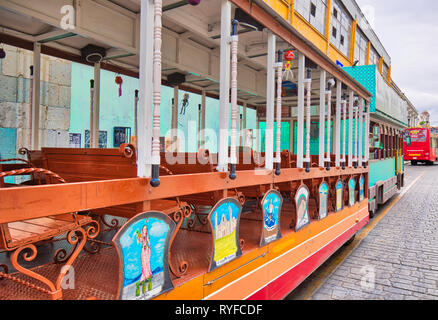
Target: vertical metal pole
{"type": "Point", "coordinates": [91, 109]}
{"type": "Point", "coordinates": [270, 97]}
{"type": "Point", "coordinates": [234, 106]}
{"type": "Point", "coordinates": [155, 181]}
{"type": "Point", "coordinates": [338, 123]}
{"type": "Point", "coordinates": [344, 135]}
{"type": "Point", "coordinates": [350, 129]}
{"type": "Point", "coordinates": [308, 82]}
{"type": "Point", "coordinates": [144, 140]}
{"type": "Point", "coordinates": [279, 66]}
{"type": "Point", "coordinates": [36, 96]}
{"type": "Point", "coordinates": [174, 120]}
{"type": "Point", "coordinates": [94, 135]}
{"type": "Point", "coordinates": [361, 106]}
{"type": "Point", "coordinates": [203, 111]}
{"type": "Point", "coordinates": [30, 108]}
{"type": "Point", "coordinates": [136, 118]}
{"type": "Point", "coordinates": [356, 129]}
{"type": "Point", "coordinates": [224, 94]}
{"type": "Point", "coordinates": [300, 124]}
{"type": "Point", "coordinates": [329, 120]}
{"type": "Point", "coordinates": [322, 86]}
{"type": "Point", "coordinates": [244, 133]}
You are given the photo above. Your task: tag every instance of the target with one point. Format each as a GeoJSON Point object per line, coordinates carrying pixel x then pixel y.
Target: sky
{"type": "Point", "coordinates": [409, 32]}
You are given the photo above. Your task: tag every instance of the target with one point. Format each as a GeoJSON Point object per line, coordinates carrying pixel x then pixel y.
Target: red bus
{"type": "Point", "coordinates": [420, 145]}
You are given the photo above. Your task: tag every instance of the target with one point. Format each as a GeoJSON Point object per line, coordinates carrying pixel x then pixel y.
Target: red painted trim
{"type": "Point", "coordinates": [283, 285]}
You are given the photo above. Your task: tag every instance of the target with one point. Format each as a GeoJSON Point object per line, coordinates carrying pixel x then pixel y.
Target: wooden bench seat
{"type": "Point", "coordinates": [22, 238]}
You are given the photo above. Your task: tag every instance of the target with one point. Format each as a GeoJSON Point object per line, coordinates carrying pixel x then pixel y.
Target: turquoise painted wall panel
{"type": "Point", "coordinates": [314, 142]}
{"type": "Point", "coordinates": [8, 150]}
{"type": "Point", "coordinates": [381, 170]}
{"type": "Point", "coordinates": [118, 111]}
{"type": "Point", "coordinates": [366, 76]}
{"type": "Point", "coordinates": [284, 139]}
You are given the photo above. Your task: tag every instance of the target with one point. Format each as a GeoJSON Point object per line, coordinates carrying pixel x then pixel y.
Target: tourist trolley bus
{"type": "Point", "coordinates": [152, 221]}
{"type": "Point", "coordinates": [420, 145]}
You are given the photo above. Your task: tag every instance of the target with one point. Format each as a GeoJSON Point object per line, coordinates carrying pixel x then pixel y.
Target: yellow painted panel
{"type": "Point", "coordinates": [280, 6]}
{"type": "Point", "coordinates": [309, 32]}
{"type": "Point", "coordinates": [335, 54]}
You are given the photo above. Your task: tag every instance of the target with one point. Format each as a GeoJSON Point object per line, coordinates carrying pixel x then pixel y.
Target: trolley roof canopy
{"type": "Point", "coordinates": [191, 41]}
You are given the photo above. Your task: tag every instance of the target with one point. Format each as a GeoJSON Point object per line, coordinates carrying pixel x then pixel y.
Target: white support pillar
{"type": "Point", "coordinates": [279, 67]}
{"type": "Point", "coordinates": [202, 122]}
{"type": "Point", "coordinates": [361, 106]}
{"type": "Point", "coordinates": [94, 134]}
{"type": "Point", "coordinates": [136, 118]}
{"type": "Point", "coordinates": [235, 109]}
{"type": "Point", "coordinates": [36, 96]}
{"type": "Point", "coordinates": [300, 124]}
{"type": "Point", "coordinates": [145, 106]}
{"type": "Point", "coordinates": [243, 133]}
{"type": "Point", "coordinates": [338, 124]}
{"type": "Point", "coordinates": [344, 133]}
{"type": "Point", "coordinates": [155, 181]}
{"type": "Point", "coordinates": [329, 120]}
{"type": "Point", "coordinates": [322, 86]}
{"type": "Point", "coordinates": [350, 129]}
{"type": "Point", "coordinates": [308, 83]}
{"type": "Point", "coordinates": [270, 97]}
{"type": "Point", "coordinates": [224, 93]}
{"type": "Point", "coordinates": [356, 129]}
{"type": "Point", "coordinates": [367, 132]}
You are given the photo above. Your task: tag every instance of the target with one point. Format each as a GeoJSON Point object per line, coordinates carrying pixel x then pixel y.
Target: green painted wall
{"type": "Point", "coordinates": [381, 170]}
{"type": "Point", "coordinates": [118, 111]}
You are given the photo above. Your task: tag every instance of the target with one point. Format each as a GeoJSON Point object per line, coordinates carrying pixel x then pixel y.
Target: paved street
{"type": "Point", "coordinates": [396, 260]}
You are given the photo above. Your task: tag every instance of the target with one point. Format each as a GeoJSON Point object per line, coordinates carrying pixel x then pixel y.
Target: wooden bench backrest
{"type": "Point", "coordinates": [86, 164]}
{"type": "Point", "coordinates": [188, 163]}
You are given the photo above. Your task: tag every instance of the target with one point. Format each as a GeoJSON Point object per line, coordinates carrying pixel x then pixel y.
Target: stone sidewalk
{"type": "Point", "coordinates": [398, 259]}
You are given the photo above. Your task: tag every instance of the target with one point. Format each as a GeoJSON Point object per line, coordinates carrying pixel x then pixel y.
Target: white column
{"type": "Point", "coordinates": [322, 108]}
{"type": "Point", "coordinates": [270, 97]}
{"type": "Point", "coordinates": [36, 96]}
{"type": "Point", "coordinates": [329, 119]}
{"type": "Point", "coordinates": [202, 122]}
{"type": "Point", "coordinates": [235, 109]}
{"type": "Point", "coordinates": [94, 135]}
{"type": "Point", "coordinates": [300, 124]}
{"type": "Point", "coordinates": [279, 67]}
{"type": "Point", "coordinates": [356, 129]}
{"type": "Point", "coordinates": [224, 94]}
{"type": "Point", "coordinates": [136, 118]}
{"type": "Point", "coordinates": [361, 106]}
{"type": "Point", "coordinates": [338, 123]}
{"type": "Point", "coordinates": [367, 132]}
{"type": "Point", "coordinates": [350, 129]}
{"type": "Point", "coordinates": [344, 135]}
{"type": "Point", "coordinates": [145, 109]}
{"type": "Point", "coordinates": [308, 82]}
{"type": "Point", "coordinates": [156, 93]}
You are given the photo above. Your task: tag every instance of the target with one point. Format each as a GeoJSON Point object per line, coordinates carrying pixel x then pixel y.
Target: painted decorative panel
{"type": "Point", "coordinates": [351, 191]}
{"type": "Point", "coordinates": [323, 200]}
{"type": "Point", "coordinates": [361, 188]}
{"type": "Point", "coordinates": [142, 245]}
{"type": "Point", "coordinates": [224, 221]}
{"type": "Point", "coordinates": [302, 205]}
{"type": "Point", "coordinates": [271, 205]}
{"type": "Point", "coordinates": [339, 195]}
